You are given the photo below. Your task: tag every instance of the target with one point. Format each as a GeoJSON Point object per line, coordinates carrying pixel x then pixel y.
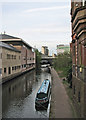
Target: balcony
{"type": "Point", "coordinates": [78, 12]}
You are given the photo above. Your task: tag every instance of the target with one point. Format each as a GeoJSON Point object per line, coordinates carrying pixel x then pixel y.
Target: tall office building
{"type": "Point", "coordinates": [45, 50]}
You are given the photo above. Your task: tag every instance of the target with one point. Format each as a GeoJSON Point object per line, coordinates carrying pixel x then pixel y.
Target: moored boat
{"type": "Point", "coordinates": [43, 94]}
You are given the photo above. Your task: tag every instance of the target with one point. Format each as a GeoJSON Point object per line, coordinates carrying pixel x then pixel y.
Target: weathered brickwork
{"type": "Point", "coordinates": [78, 86]}
{"type": "Point", "coordinates": [78, 20]}
{"type": "Point", "coordinates": [27, 57]}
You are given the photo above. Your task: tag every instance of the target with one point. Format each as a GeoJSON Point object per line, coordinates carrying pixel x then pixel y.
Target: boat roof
{"type": "Point", "coordinates": [44, 86]}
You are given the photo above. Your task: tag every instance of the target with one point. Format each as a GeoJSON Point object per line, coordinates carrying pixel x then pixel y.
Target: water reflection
{"type": "Point", "coordinates": [18, 96]}
{"type": "Point", "coordinates": [17, 89]}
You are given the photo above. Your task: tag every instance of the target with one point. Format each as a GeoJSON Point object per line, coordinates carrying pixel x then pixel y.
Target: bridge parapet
{"type": "Point", "coordinates": [48, 59]}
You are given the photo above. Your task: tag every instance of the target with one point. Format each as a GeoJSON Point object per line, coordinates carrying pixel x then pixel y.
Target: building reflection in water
{"type": "Point", "coordinates": [17, 89]}
{"type": "Point", "coordinates": [18, 96]}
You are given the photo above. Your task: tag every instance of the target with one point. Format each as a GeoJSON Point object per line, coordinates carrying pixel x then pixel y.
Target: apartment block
{"type": "Point", "coordinates": [78, 50]}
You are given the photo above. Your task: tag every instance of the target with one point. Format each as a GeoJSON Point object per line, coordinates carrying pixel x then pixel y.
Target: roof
{"type": "Point", "coordinates": [5, 36]}
{"type": "Point", "coordinates": [44, 86]}
{"type": "Point", "coordinates": [45, 46]}
{"type": "Point", "coordinates": [2, 44]}
{"type": "Point", "coordinates": [9, 38]}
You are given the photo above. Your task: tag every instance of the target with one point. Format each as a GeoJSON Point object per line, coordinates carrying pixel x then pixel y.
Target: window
{"type": "Point", "coordinates": [9, 70]}
{"type": "Point", "coordinates": [74, 51]}
{"type": "Point", "coordinates": [8, 56]}
{"type": "Point", "coordinates": [80, 53]}
{"type": "Point", "coordinates": [79, 97]}
{"type": "Point", "coordinates": [4, 70]}
{"type": "Point", "coordinates": [19, 57]}
{"type": "Point", "coordinates": [0, 55]}
{"type": "Point", "coordinates": [19, 67]}
{"type": "Point", "coordinates": [12, 56]}
{"type": "Point", "coordinates": [74, 90]}
{"type": "Point", "coordinates": [41, 95]}
{"type": "Point", "coordinates": [15, 67]}
{"type": "Point", "coordinates": [0, 71]}
{"type": "Point", "coordinates": [24, 65]}
{"type": "Point", "coordinates": [12, 68]}
{"type": "Point", "coordinates": [85, 2]}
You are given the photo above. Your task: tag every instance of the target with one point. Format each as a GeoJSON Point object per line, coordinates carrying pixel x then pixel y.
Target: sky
{"type": "Point", "coordinates": [39, 22]}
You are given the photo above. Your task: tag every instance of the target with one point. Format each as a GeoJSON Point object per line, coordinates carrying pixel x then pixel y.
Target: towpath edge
{"type": "Point", "coordinates": [60, 104]}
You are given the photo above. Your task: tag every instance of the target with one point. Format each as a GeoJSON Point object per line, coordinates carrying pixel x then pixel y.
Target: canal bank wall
{"type": "Point", "coordinates": [60, 106]}
{"type": "Point", "coordinates": [19, 95]}
{"type": "Point", "coordinates": [4, 80]}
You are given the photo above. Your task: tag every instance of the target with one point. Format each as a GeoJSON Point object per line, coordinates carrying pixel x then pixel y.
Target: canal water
{"type": "Point", "coordinates": [18, 96]}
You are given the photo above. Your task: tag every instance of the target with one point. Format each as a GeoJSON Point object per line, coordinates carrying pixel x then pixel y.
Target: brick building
{"type": "Point", "coordinates": [10, 64]}
{"type": "Point", "coordinates": [78, 49]}
{"type": "Point", "coordinates": [27, 56]}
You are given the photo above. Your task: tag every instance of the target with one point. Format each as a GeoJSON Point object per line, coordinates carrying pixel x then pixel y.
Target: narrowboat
{"type": "Point", "coordinates": [43, 94]}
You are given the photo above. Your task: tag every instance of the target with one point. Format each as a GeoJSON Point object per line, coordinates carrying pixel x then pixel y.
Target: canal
{"type": "Point", "coordinates": [18, 96]}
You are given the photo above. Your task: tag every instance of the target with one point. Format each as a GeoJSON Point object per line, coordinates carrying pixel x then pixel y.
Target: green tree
{"type": "Point", "coordinates": [63, 62]}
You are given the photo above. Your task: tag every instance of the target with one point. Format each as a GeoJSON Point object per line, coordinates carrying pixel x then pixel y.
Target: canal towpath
{"type": "Point", "coordinates": [60, 103]}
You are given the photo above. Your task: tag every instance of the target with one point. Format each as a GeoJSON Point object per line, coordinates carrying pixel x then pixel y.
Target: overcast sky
{"type": "Point", "coordinates": [38, 23]}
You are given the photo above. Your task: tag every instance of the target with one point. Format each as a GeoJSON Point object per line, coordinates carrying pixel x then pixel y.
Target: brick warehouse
{"type": "Point", "coordinates": [78, 48]}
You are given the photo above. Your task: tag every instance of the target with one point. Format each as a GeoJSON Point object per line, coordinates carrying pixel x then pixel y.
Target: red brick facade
{"type": "Point", "coordinates": [78, 20]}
{"type": "Point", "coordinates": [27, 55]}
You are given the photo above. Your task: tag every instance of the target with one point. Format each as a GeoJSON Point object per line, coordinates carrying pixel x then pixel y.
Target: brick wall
{"type": "Point", "coordinates": [6, 63]}
{"type": "Point", "coordinates": [27, 57]}
{"type": "Point", "coordinates": [79, 87]}
{"type": "Point", "coordinates": [78, 17]}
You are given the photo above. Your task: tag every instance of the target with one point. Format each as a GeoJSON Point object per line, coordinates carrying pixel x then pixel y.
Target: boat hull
{"type": "Point", "coordinates": [41, 105]}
